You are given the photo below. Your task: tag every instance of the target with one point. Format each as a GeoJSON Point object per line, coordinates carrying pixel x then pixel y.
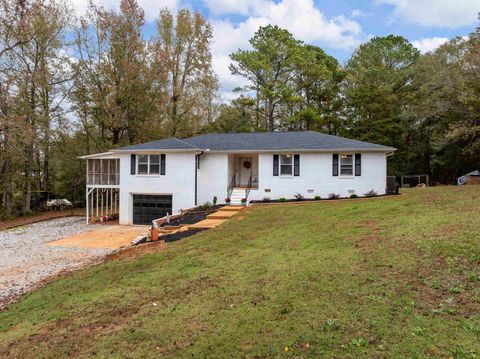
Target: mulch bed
{"type": "Point", "coordinates": [180, 235]}
{"type": "Point", "coordinates": [44, 216]}
{"type": "Point", "coordinates": [290, 200]}
{"type": "Point", "coordinates": [192, 216]}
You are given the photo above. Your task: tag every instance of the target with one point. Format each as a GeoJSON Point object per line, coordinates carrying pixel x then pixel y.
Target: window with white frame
{"type": "Point", "coordinates": [286, 165]}
{"type": "Point", "coordinates": [346, 165]}
{"type": "Point", "coordinates": [154, 164]}
{"type": "Point", "coordinates": [148, 164]}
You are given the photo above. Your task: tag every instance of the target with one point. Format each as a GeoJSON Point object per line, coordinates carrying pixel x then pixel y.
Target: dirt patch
{"type": "Point", "coordinates": [137, 251]}
{"type": "Point", "coordinates": [44, 216]}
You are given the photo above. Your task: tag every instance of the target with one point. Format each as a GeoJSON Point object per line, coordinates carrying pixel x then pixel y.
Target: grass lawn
{"type": "Point", "coordinates": [382, 277]}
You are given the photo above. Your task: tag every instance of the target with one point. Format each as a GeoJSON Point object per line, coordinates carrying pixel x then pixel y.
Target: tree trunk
{"type": "Point", "coordinates": [8, 197]}
{"type": "Point", "coordinates": [270, 117]}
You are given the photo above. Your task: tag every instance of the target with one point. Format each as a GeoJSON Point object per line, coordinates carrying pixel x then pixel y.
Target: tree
{"type": "Point", "coordinates": [35, 73]}
{"type": "Point", "coordinates": [117, 87]}
{"type": "Point", "coordinates": [379, 93]}
{"type": "Point", "coordinates": [269, 69]}
{"type": "Point", "coordinates": [183, 47]}
{"type": "Point", "coordinates": [448, 108]}
{"type": "Point", "coordinates": [317, 82]}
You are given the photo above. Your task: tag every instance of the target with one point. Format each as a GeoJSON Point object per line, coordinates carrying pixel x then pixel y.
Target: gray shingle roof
{"type": "Point", "coordinates": [171, 143]}
{"type": "Point", "coordinates": [260, 141]}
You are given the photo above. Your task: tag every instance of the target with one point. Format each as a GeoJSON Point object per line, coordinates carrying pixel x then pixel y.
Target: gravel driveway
{"type": "Point", "coordinates": [25, 259]}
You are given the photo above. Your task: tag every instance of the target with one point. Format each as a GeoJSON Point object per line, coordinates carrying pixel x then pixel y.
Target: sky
{"type": "Point", "coordinates": [338, 26]}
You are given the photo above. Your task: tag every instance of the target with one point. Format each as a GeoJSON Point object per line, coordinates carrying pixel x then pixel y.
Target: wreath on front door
{"type": "Point", "coordinates": [247, 164]}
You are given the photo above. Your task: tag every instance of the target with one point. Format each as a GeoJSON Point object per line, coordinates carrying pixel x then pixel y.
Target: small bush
{"type": "Point", "coordinates": [266, 199]}
{"type": "Point", "coordinates": [317, 198]}
{"type": "Point", "coordinates": [299, 197]}
{"type": "Point", "coordinates": [333, 196]}
{"type": "Point", "coordinates": [370, 193]}
{"type": "Point", "coordinates": [215, 200]}
{"type": "Point", "coordinates": [243, 200]}
{"type": "Point", "coordinates": [353, 195]}
{"type": "Point", "coordinates": [227, 200]}
{"type": "Point", "coordinates": [206, 205]}
{"type": "Point", "coordinates": [282, 200]}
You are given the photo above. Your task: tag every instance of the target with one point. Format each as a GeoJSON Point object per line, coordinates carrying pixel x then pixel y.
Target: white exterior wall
{"type": "Point", "coordinates": [316, 175]}
{"type": "Point", "coordinates": [216, 170]}
{"type": "Point", "coordinates": [213, 177]}
{"type": "Point", "coordinates": [179, 181]}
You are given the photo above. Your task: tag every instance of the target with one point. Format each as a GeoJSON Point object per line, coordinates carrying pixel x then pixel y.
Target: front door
{"type": "Point", "coordinates": [245, 170]}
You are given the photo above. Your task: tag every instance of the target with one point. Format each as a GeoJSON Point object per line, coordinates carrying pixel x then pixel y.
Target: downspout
{"type": "Point", "coordinates": [197, 157]}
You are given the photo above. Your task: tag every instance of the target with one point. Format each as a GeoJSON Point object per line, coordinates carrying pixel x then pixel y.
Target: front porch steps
{"type": "Point", "coordinates": [237, 195]}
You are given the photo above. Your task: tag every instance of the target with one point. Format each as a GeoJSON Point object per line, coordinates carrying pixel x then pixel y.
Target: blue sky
{"type": "Point", "coordinates": [338, 26]}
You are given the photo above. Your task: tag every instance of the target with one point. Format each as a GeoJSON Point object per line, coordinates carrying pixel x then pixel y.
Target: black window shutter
{"type": "Point", "coordinates": [275, 165]}
{"type": "Point", "coordinates": [335, 164]}
{"type": "Point", "coordinates": [133, 166]}
{"type": "Point", "coordinates": [162, 164]}
{"type": "Point", "coordinates": [296, 165]}
{"type": "Point", "coordinates": [358, 164]}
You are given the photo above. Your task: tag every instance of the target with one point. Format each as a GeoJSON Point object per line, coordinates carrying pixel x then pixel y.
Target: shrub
{"type": "Point", "coordinates": [266, 199]}
{"type": "Point", "coordinates": [282, 200]}
{"type": "Point", "coordinates": [206, 205]}
{"type": "Point", "coordinates": [227, 200]}
{"type": "Point", "coordinates": [353, 195]}
{"type": "Point", "coordinates": [317, 198]}
{"type": "Point", "coordinates": [243, 200]}
{"type": "Point", "coordinates": [333, 196]}
{"type": "Point", "coordinates": [299, 197]}
{"type": "Point", "coordinates": [215, 200]}
{"type": "Point", "coordinates": [370, 193]}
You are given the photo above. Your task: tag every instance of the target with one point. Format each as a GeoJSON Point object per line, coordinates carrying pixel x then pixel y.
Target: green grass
{"type": "Point", "coordinates": [382, 277]}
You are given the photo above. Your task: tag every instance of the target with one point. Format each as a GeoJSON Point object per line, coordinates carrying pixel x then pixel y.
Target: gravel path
{"type": "Point", "coordinates": [25, 259]}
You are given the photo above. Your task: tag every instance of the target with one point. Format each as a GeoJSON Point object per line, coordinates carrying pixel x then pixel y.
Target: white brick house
{"type": "Point", "coordinates": [143, 182]}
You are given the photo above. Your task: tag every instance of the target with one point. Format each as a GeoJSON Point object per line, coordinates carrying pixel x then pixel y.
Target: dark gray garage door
{"type": "Point", "coordinates": [146, 208]}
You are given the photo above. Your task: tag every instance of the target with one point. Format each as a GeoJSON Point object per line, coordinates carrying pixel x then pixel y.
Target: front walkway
{"type": "Point", "coordinates": [217, 218]}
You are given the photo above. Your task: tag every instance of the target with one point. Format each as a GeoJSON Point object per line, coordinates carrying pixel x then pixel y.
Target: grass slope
{"type": "Point", "coordinates": [383, 277]}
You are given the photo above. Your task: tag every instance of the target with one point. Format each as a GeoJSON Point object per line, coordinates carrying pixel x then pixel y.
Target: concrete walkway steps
{"type": "Point", "coordinates": [218, 217]}
{"type": "Point", "coordinates": [231, 209]}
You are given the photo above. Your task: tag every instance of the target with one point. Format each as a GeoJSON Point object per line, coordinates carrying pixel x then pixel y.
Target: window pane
{"type": "Point", "coordinates": [286, 159]}
{"type": "Point", "coordinates": [154, 168]}
{"type": "Point", "coordinates": [346, 165]}
{"type": "Point", "coordinates": [286, 169]}
{"type": "Point", "coordinates": [143, 159]}
{"type": "Point", "coordinates": [155, 159]}
{"type": "Point", "coordinates": [142, 168]}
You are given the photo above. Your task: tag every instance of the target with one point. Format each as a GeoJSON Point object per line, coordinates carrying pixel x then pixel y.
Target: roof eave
{"type": "Point", "coordinates": [93, 155]}
{"type": "Point", "coordinates": [383, 150]}
{"type": "Point", "coordinates": [152, 150]}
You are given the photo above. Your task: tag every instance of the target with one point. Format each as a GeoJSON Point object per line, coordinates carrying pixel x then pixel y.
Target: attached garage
{"type": "Point", "coordinates": [146, 208]}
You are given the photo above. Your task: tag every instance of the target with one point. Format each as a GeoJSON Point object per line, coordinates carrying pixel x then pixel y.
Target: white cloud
{"type": "Point", "coordinates": [151, 7]}
{"type": "Point", "coordinates": [439, 13]}
{"type": "Point", "coordinates": [429, 44]}
{"type": "Point", "coordinates": [356, 13]}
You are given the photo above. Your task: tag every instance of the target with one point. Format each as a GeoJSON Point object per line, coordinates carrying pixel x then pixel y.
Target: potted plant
{"type": "Point", "coordinates": [244, 201]}
{"type": "Point", "coordinates": [227, 200]}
